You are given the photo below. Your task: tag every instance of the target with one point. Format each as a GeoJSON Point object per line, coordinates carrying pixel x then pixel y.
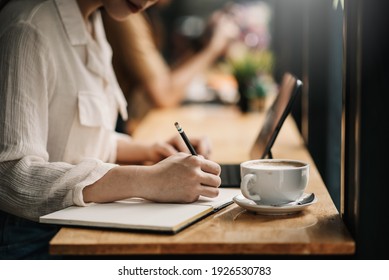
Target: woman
{"type": "Point", "coordinates": [59, 100]}
{"type": "Point", "coordinates": [146, 79]}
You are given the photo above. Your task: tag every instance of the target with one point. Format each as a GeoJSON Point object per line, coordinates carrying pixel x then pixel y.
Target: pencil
{"type": "Point", "coordinates": [186, 140]}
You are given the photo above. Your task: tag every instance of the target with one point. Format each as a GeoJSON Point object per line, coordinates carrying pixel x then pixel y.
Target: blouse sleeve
{"type": "Point", "coordinates": [30, 185]}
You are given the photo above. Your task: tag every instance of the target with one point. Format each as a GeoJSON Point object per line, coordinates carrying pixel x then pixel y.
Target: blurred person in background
{"type": "Point", "coordinates": [143, 73]}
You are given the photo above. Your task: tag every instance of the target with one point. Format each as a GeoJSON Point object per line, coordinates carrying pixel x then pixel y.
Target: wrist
{"type": "Point", "coordinates": [213, 50]}
{"type": "Point", "coordinates": [118, 183]}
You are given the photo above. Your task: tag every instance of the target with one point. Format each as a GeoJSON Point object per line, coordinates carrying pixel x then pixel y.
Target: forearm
{"type": "Point", "coordinates": [195, 65]}
{"type": "Point", "coordinates": [119, 183]}
{"type": "Point", "coordinates": [131, 152]}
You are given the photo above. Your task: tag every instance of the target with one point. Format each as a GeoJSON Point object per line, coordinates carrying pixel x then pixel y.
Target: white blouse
{"type": "Point", "coordinates": [59, 101]}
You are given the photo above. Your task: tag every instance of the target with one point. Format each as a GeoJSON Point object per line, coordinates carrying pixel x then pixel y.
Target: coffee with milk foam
{"type": "Point", "coordinates": [275, 165]}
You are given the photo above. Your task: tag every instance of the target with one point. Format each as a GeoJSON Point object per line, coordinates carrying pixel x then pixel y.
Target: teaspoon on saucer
{"type": "Point", "coordinates": [306, 198]}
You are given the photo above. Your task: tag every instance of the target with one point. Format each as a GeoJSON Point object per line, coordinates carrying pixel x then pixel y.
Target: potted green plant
{"type": "Point", "coordinates": [249, 67]}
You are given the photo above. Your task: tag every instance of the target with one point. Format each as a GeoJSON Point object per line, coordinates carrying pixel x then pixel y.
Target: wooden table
{"type": "Point", "coordinates": [318, 230]}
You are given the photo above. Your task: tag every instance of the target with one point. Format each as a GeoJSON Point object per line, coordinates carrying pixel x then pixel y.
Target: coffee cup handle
{"type": "Point", "coordinates": [244, 187]}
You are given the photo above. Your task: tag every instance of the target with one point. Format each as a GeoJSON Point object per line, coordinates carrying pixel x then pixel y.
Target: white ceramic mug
{"type": "Point", "coordinates": [274, 181]}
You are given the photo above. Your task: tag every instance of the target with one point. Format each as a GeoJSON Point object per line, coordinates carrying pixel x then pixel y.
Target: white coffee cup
{"type": "Point", "coordinates": [274, 181]}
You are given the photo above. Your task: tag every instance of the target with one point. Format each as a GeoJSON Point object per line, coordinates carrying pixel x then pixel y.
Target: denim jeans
{"type": "Point", "coordinates": [24, 239]}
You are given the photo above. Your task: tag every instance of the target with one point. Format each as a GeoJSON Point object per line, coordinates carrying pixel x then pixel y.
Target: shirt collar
{"type": "Point", "coordinates": [78, 35]}
{"type": "Point", "coordinates": [72, 21]}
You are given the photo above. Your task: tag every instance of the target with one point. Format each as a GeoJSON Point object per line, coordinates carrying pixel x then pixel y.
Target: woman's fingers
{"type": "Point", "coordinates": [210, 167]}
{"type": "Point", "coordinates": [209, 171]}
{"type": "Point", "coordinates": [211, 180]}
{"type": "Point", "coordinates": [209, 191]}
{"type": "Point", "coordinates": [202, 146]}
{"type": "Point", "coordinates": [161, 150]}
{"type": "Point", "coordinates": [166, 149]}
{"type": "Point", "coordinates": [180, 145]}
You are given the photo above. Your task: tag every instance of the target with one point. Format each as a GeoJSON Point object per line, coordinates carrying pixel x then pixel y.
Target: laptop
{"type": "Point", "coordinates": [275, 117]}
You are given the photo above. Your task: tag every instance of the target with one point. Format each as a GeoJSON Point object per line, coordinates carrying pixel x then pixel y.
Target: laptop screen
{"type": "Point", "coordinates": [275, 116]}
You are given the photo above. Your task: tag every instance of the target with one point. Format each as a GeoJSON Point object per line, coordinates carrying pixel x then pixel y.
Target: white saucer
{"type": "Point", "coordinates": [250, 205]}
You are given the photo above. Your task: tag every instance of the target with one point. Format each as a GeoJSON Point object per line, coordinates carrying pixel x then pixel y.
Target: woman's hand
{"type": "Point", "coordinates": [179, 178]}
{"type": "Point", "coordinates": [224, 31]}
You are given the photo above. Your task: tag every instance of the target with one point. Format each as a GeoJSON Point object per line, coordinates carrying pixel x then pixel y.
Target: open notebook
{"type": "Point", "coordinates": [139, 214]}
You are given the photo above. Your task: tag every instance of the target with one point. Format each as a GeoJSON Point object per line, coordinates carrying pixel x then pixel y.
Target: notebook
{"type": "Point", "coordinates": [140, 214]}
{"type": "Point", "coordinates": [275, 117]}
